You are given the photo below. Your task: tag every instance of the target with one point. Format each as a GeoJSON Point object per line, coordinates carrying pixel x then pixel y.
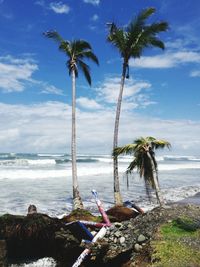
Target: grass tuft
{"type": "Point", "coordinates": [177, 245]}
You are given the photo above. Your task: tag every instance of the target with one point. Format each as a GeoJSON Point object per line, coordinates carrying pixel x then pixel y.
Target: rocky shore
{"type": "Point", "coordinates": [126, 244]}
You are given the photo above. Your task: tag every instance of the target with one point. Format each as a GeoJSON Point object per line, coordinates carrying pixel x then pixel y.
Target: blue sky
{"type": "Point", "coordinates": [161, 98]}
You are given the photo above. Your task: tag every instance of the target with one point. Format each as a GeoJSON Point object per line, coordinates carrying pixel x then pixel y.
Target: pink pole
{"type": "Point", "coordinates": [96, 224]}
{"type": "Point", "coordinates": [87, 251]}
{"type": "Point", "coordinates": [101, 209]}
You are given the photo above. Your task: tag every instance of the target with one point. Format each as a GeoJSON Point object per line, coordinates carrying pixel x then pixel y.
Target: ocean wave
{"type": "Point", "coordinates": [27, 162]}
{"type": "Point", "coordinates": [165, 162]}
{"type": "Point", "coordinates": [45, 262]}
{"type": "Point", "coordinates": [182, 166]}
{"type": "Point", "coordinates": [28, 173]}
{"type": "Point", "coordinates": [180, 193]}
{"type": "Point", "coordinates": [181, 158]}
{"type": "Point", "coordinates": [51, 155]}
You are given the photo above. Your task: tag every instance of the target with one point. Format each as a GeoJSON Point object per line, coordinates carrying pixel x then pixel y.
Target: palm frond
{"type": "Point", "coordinates": [132, 40]}
{"type": "Point", "coordinates": [132, 166]}
{"type": "Point", "coordinates": [153, 41]}
{"type": "Point", "coordinates": [89, 55]}
{"type": "Point", "coordinates": [144, 161]}
{"type": "Point", "coordinates": [54, 35]}
{"type": "Point", "coordinates": [155, 28]}
{"type": "Point", "coordinates": [160, 144]}
{"type": "Point", "coordinates": [146, 13]}
{"type": "Point", "coordinates": [125, 150]}
{"type": "Point", "coordinates": [86, 70]}
{"type": "Point", "coordinates": [76, 51]}
{"type": "Point", "coordinates": [82, 45]}
{"type": "Point", "coordinates": [65, 47]}
{"type": "Point", "coordinates": [118, 39]}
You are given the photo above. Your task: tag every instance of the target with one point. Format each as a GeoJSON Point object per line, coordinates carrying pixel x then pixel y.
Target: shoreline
{"type": "Point", "coordinates": [195, 199]}
{"type": "Point", "coordinates": [125, 243]}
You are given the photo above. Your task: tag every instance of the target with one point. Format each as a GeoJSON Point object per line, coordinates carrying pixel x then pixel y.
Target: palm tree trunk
{"type": "Point", "coordinates": [155, 180]}
{"type": "Point", "coordinates": [77, 202]}
{"type": "Point", "coordinates": [117, 194]}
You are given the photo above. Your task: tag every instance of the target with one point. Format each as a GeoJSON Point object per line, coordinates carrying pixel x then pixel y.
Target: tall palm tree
{"type": "Point", "coordinates": [143, 151]}
{"type": "Point", "coordinates": [131, 42]}
{"type": "Point", "coordinates": [76, 52]}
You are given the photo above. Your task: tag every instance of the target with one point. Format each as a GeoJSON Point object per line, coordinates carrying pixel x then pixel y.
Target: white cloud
{"type": "Point", "coordinates": [166, 60]}
{"type": "Point", "coordinates": [132, 97]}
{"type": "Point", "coordinates": [59, 7]}
{"type": "Point", "coordinates": [93, 2]}
{"type": "Point", "coordinates": [40, 3]}
{"type": "Point", "coordinates": [16, 75]}
{"type": "Point", "coordinates": [51, 89]}
{"type": "Point", "coordinates": [95, 17]}
{"type": "Point", "coordinates": [46, 127]}
{"type": "Point", "coordinates": [30, 127]}
{"type": "Point", "coordinates": [87, 103]}
{"type": "Point", "coordinates": [195, 73]}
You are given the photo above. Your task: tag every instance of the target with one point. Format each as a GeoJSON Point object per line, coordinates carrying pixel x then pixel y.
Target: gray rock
{"type": "Point", "coordinates": [137, 247]}
{"type": "Point", "coordinates": [122, 240]}
{"type": "Point", "coordinates": [117, 234]}
{"type": "Point", "coordinates": [118, 225]}
{"type": "Point", "coordinates": [141, 238]}
{"type": "Point", "coordinates": [112, 227]}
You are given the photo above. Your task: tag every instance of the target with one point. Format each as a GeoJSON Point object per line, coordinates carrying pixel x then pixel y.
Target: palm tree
{"type": "Point", "coordinates": [76, 52]}
{"type": "Point", "coordinates": [131, 42]}
{"type": "Point", "coordinates": [143, 150]}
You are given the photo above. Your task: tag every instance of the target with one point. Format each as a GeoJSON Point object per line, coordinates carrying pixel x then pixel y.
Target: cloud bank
{"type": "Point", "coordinates": [16, 75]}
{"type": "Point", "coordinates": [46, 127]}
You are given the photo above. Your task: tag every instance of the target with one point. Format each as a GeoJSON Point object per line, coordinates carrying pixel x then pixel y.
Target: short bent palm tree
{"type": "Point", "coordinates": [76, 52]}
{"type": "Point", "coordinates": [143, 151]}
{"type": "Point", "coordinates": [130, 42]}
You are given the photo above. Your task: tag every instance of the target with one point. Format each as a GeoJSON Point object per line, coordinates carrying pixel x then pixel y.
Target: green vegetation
{"type": "Point", "coordinates": [76, 52]}
{"type": "Point", "coordinates": [178, 244]}
{"type": "Point", "coordinates": [131, 41]}
{"type": "Point", "coordinates": [143, 151]}
{"type": "Point", "coordinates": [82, 214]}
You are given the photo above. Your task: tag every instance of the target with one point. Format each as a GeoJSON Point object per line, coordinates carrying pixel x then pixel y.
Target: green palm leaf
{"type": "Point", "coordinates": [144, 161]}
{"type": "Point", "coordinates": [76, 51]}
{"type": "Point", "coordinates": [86, 70]}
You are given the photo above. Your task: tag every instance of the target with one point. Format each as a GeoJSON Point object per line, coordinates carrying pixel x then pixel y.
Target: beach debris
{"type": "Point", "coordinates": [87, 251]}
{"type": "Point", "coordinates": [95, 224]}
{"type": "Point", "coordinates": [32, 209]}
{"type": "Point", "coordinates": [100, 207]}
{"type": "Point", "coordinates": [99, 235]}
{"type": "Point", "coordinates": [121, 213]}
{"type": "Point", "coordinates": [132, 205]}
{"type": "Point", "coordinates": [80, 231]}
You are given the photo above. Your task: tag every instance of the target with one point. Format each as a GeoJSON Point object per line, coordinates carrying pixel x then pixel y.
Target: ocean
{"type": "Point", "coordinates": [45, 181]}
